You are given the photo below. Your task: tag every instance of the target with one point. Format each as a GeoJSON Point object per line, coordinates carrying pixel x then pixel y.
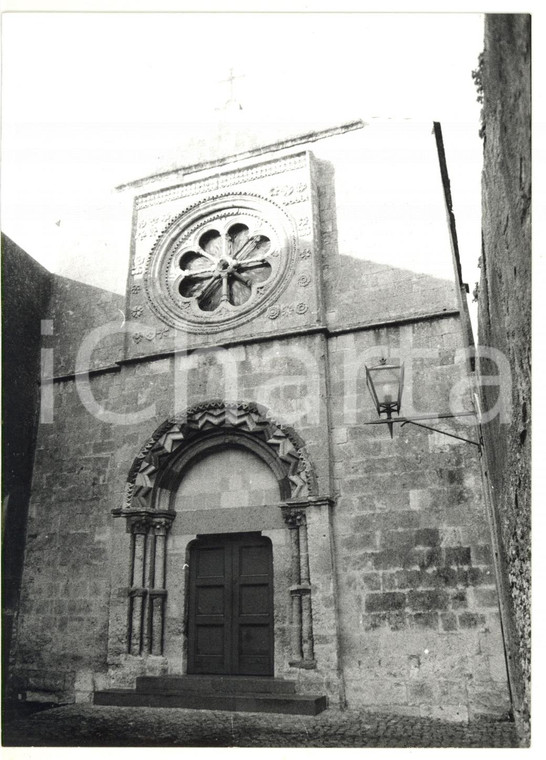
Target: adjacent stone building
{"type": "Point", "coordinates": [208, 497]}
{"type": "Point", "coordinates": [505, 323]}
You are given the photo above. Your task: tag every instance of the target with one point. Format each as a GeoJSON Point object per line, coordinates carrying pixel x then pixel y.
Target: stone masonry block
{"type": "Point", "coordinates": [372, 581]}
{"type": "Point", "coordinates": [388, 581]}
{"type": "Point", "coordinates": [428, 600]}
{"type": "Point", "coordinates": [471, 619]}
{"type": "Point", "coordinates": [398, 540]}
{"type": "Point", "coordinates": [427, 537]}
{"type": "Point", "coordinates": [457, 713]}
{"type": "Point", "coordinates": [446, 576]}
{"type": "Point", "coordinates": [385, 601]}
{"type": "Point", "coordinates": [453, 691]}
{"type": "Point", "coordinates": [481, 554]}
{"type": "Point", "coordinates": [339, 435]}
{"type": "Point", "coordinates": [357, 541]}
{"type": "Point", "coordinates": [459, 599]}
{"type": "Point", "coordinates": [375, 621]}
{"type": "Point", "coordinates": [457, 555]}
{"type": "Point", "coordinates": [477, 576]}
{"type": "Point", "coordinates": [485, 597]}
{"type": "Point", "coordinates": [391, 559]}
{"type": "Point", "coordinates": [421, 498]}
{"type": "Point", "coordinates": [448, 621]}
{"type": "Point", "coordinates": [489, 698]}
{"type": "Point", "coordinates": [407, 578]}
{"type": "Point", "coordinates": [376, 692]}
{"type": "Point", "coordinates": [426, 558]}
{"type": "Point", "coordinates": [361, 561]}
{"type": "Point", "coordinates": [424, 620]}
{"type": "Point", "coordinates": [451, 536]}
{"type": "Point", "coordinates": [421, 692]}
{"type": "Point", "coordinates": [397, 620]}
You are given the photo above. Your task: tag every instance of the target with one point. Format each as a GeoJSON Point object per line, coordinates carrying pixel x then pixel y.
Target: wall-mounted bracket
{"type": "Point", "coordinates": [405, 421]}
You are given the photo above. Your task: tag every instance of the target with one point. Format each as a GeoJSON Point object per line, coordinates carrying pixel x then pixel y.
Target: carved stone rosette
{"type": "Point", "coordinates": [300, 589]}
{"type": "Point", "coordinates": [147, 581]}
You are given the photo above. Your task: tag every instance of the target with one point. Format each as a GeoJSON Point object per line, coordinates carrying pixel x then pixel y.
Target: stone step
{"type": "Point", "coordinates": [210, 684]}
{"type": "Point", "coordinates": [290, 704]}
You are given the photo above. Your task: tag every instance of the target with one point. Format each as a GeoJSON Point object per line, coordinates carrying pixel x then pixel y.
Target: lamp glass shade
{"type": "Point", "coordinates": [385, 384]}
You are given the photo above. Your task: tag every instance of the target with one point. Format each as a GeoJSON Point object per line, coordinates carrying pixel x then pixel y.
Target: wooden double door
{"type": "Point", "coordinates": [230, 627]}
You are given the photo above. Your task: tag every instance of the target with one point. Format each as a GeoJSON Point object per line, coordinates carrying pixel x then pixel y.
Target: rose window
{"type": "Point", "coordinates": [221, 262]}
{"type": "Point", "coordinates": [224, 267]}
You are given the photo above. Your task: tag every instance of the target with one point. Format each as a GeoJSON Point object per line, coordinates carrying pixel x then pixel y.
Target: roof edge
{"type": "Point", "coordinates": [276, 146]}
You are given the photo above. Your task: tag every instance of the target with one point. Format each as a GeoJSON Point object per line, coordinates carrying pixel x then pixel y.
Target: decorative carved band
{"type": "Point", "coordinates": [238, 176]}
{"type": "Point", "coordinates": [186, 429]}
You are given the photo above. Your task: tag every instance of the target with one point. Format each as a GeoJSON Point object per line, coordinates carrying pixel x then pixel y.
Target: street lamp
{"type": "Point", "coordinates": [385, 383]}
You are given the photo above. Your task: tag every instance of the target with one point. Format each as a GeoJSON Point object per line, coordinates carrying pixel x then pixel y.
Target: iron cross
{"type": "Point", "coordinates": [231, 78]}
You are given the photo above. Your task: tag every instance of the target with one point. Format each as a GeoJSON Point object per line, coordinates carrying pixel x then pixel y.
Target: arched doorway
{"type": "Point", "coordinates": [230, 584]}
{"type": "Point", "coordinates": [223, 478]}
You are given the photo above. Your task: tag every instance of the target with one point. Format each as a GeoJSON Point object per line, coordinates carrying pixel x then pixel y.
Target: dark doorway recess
{"type": "Point", "coordinates": [230, 628]}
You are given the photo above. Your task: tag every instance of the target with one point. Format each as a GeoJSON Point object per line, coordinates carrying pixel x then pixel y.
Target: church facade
{"type": "Point", "coordinates": [208, 496]}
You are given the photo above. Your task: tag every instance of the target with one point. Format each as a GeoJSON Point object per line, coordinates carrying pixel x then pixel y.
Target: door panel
{"type": "Point", "coordinates": [210, 592]}
{"type": "Point", "coordinates": [253, 609]}
{"type": "Point", "coordinates": [231, 606]}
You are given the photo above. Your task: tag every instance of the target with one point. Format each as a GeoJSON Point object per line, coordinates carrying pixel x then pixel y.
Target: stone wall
{"type": "Point", "coordinates": [404, 608]}
{"type": "Point", "coordinates": [420, 630]}
{"type": "Point", "coordinates": [417, 604]}
{"type": "Point", "coordinates": [505, 317]}
{"type": "Point", "coordinates": [76, 309]}
{"type": "Point", "coordinates": [25, 293]}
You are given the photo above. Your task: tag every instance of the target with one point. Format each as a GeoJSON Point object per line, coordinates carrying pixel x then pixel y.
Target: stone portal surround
{"type": "Point", "coordinates": [144, 637]}
{"type": "Point", "coordinates": [141, 638]}
{"type": "Point", "coordinates": [147, 589]}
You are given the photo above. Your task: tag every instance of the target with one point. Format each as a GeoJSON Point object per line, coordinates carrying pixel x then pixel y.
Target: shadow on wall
{"type": "Point", "coordinates": [362, 291]}
{"type": "Point", "coordinates": [75, 309]}
{"type": "Point", "coordinates": [26, 288]}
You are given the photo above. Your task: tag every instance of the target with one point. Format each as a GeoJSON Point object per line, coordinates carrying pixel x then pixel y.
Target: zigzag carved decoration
{"type": "Point", "coordinates": [183, 430]}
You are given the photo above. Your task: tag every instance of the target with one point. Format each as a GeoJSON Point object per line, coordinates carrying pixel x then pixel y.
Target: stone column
{"type": "Point", "coordinates": [293, 526]}
{"type": "Point", "coordinates": [147, 582]}
{"type": "Point", "coordinates": [158, 591]}
{"type": "Point", "coordinates": [137, 592]}
{"type": "Point", "coordinates": [300, 590]}
{"type": "Point", "coordinates": [307, 621]}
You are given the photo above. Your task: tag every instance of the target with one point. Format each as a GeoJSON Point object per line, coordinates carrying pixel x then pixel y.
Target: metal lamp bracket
{"type": "Point", "coordinates": [405, 421]}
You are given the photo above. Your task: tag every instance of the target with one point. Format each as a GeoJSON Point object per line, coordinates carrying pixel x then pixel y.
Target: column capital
{"type": "Point", "coordinates": [293, 517]}
{"type": "Point", "coordinates": [161, 524]}
{"type": "Point", "coordinates": [141, 521]}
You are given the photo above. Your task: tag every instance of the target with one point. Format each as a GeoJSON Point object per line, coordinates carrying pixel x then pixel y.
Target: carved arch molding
{"type": "Point", "coordinates": [153, 479]}
{"type": "Point", "coordinates": [178, 434]}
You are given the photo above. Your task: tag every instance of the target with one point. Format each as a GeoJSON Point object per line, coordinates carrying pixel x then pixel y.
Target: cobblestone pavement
{"type": "Point", "coordinates": [90, 726]}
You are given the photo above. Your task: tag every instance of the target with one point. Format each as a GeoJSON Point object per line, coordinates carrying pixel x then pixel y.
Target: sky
{"type": "Point", "coordinates": [90, 101]}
